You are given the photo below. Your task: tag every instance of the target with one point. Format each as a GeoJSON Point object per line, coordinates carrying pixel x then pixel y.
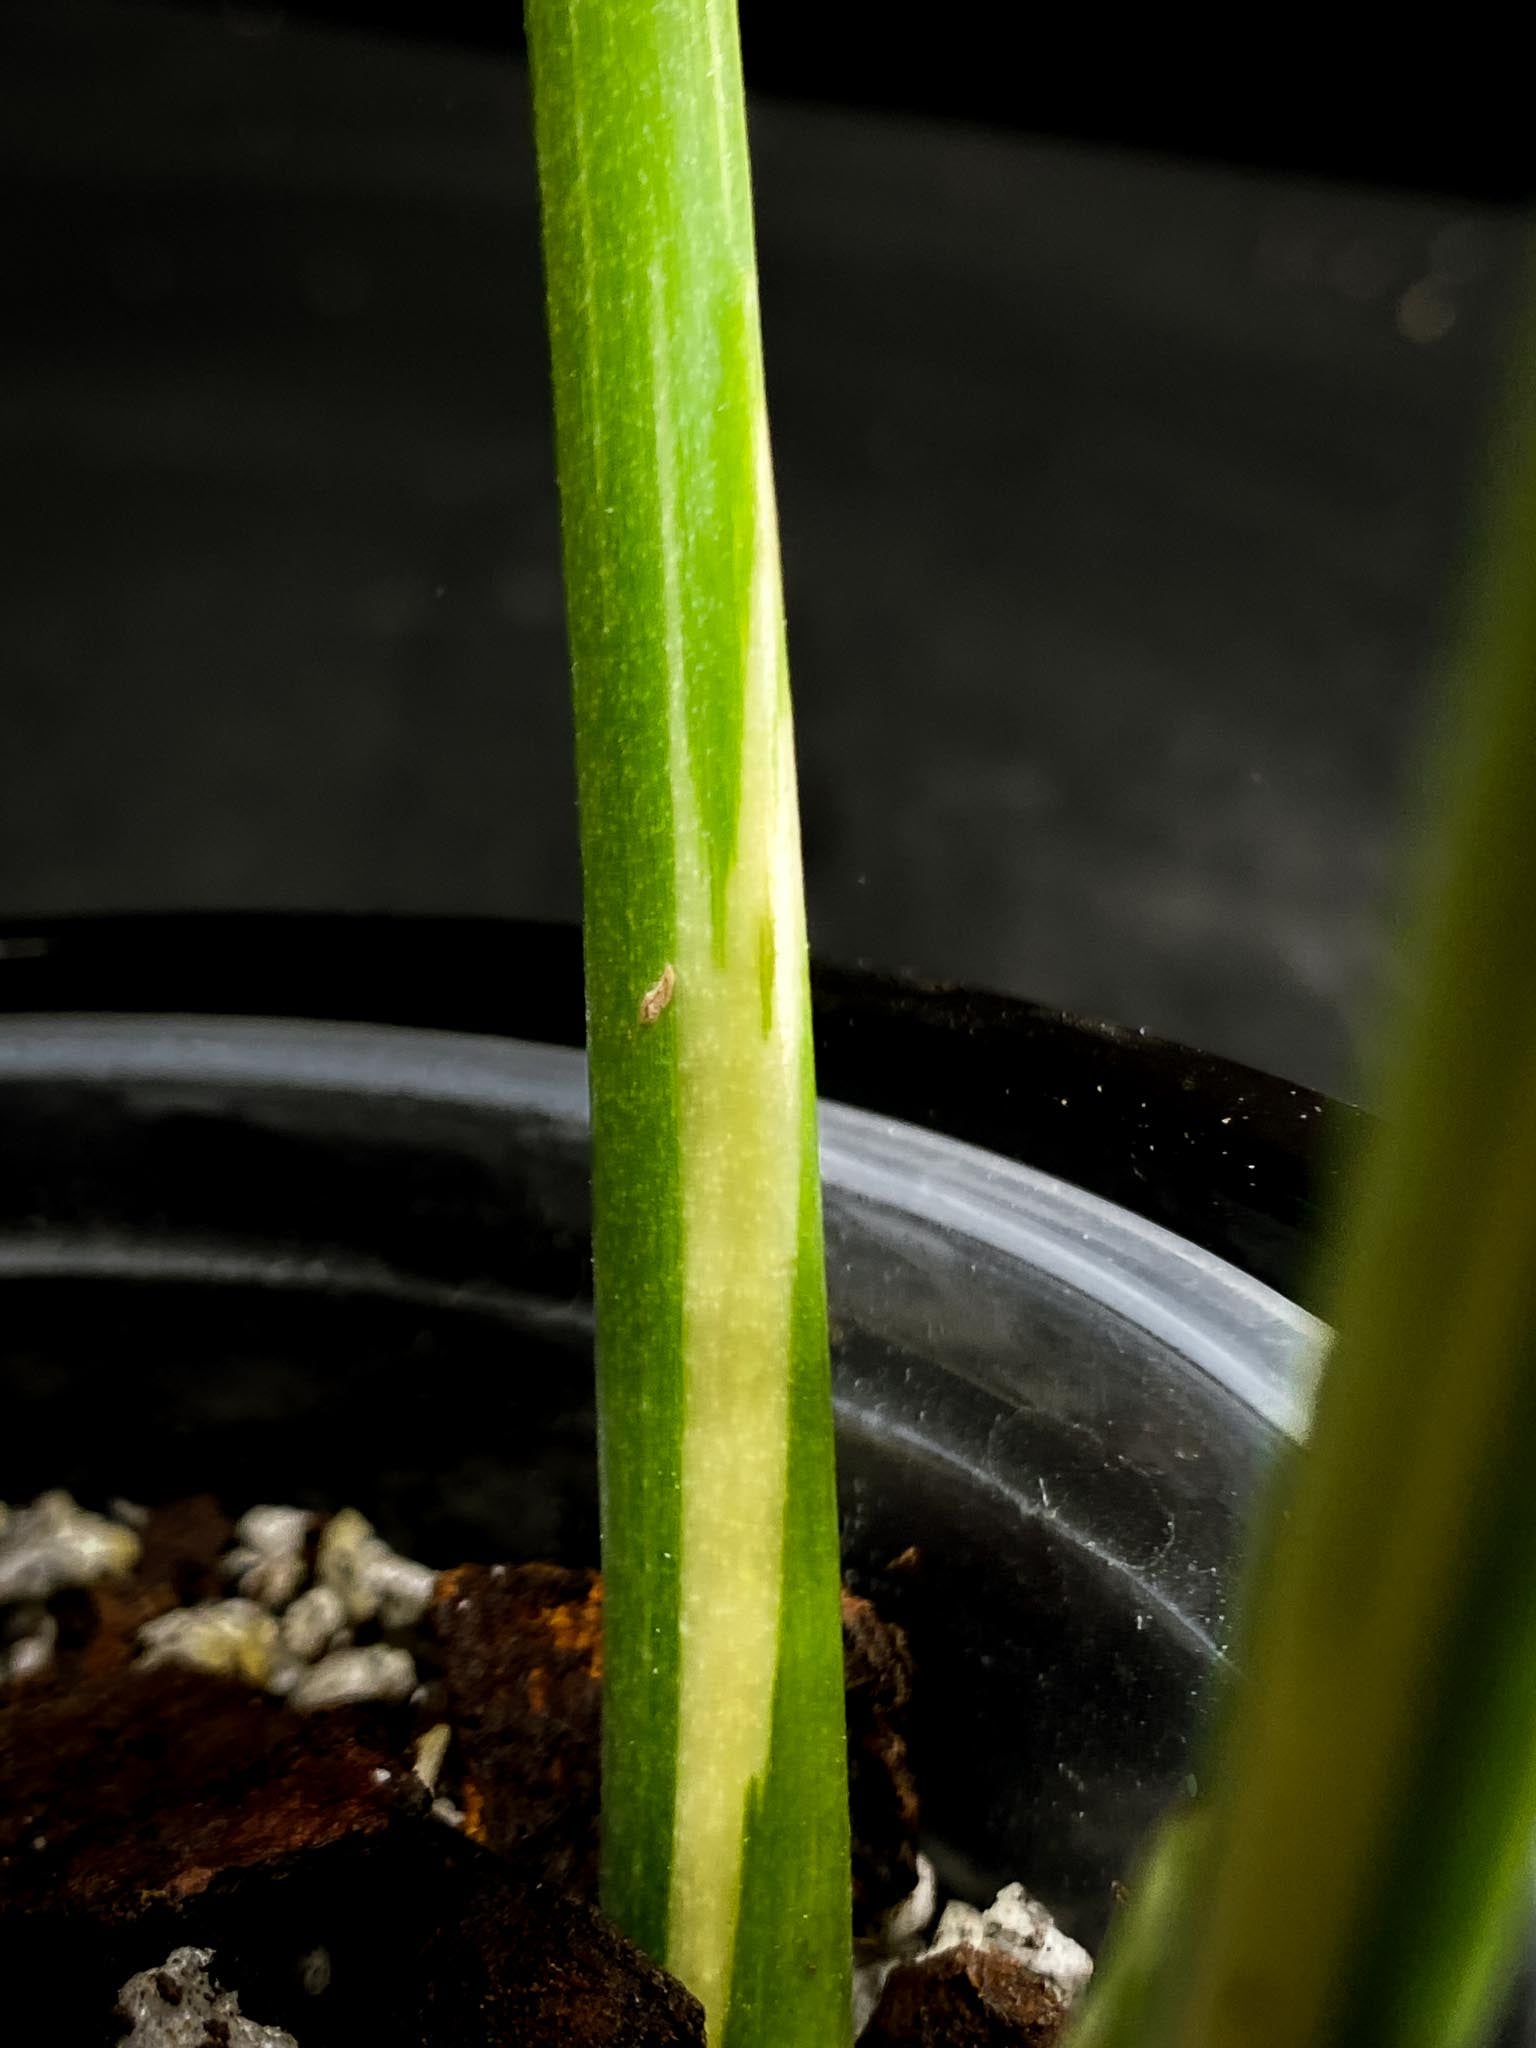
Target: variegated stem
{"type": "Point", "coordinates": [725, 1799]}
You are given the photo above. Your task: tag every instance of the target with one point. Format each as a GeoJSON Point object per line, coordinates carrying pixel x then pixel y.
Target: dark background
{"type": "Point", "coordinates": [1126, 438]}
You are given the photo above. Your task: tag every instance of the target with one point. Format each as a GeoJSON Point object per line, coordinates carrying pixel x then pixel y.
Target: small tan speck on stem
{"type": "Point", "coordinates": [658, 995]}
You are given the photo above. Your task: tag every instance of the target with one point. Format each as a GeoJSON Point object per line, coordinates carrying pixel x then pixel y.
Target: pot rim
{"type": "Point", "coordinates": [1229, 1159]}
{"type": "Point", "coordinates": [1259, 1347]}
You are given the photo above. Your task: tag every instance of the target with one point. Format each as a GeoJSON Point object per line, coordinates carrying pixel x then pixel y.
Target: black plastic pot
{"type": "Point", "coordinates": [296, 1209]}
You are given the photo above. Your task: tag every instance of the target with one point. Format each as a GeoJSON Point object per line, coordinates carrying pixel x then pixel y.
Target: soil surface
{"type": "Point", "coordinates": [410, 1870]}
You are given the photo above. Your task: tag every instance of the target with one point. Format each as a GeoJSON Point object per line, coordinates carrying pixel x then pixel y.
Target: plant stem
{"type": "Point", "coordinates": [725, 1825]}
{"type": "Point", "coordinates": [1363, 1862]}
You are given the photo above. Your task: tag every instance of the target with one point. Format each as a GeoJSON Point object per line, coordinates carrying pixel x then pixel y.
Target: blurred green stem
{"type": "Point", "coordinates": [1363, 1867]}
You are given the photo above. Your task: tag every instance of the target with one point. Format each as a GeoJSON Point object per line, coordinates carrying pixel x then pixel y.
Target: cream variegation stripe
{"type": "Point", "coordinates": [740, 1090]}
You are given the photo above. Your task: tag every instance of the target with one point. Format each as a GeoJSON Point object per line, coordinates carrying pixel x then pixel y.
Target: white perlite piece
{"type": "Point", "coordinates": [316, 1622]}
{"type": "Point", "coordinates": [27, 1639]}
{"type": "Point", "coordinates": [267, 1563]}
{"type": "Point", "coordinates": [908, 1920]}
{"type": "Point", "coordinates": [371, 1580]}
{"type": "Point", "coordinates": [898, 1940]}
{"type": "Point", "coordinates": [430, 1753]}
{"type": "Point", "coordinates": [1018, 1926]}
{"type": "Point", "coordinates": [178, 2006]}
{"type": "Point", "coordinates": [347, 1677]}
{"type": "Point", "coordinates": [55, 1544]}
{"type": "Point", "coordinates": [270, 1528]}
{"type": "Point", "coordinates": [231, 1638]}
{"type": "Point", "coordinates": [868, 1983]}
{"type": "Point", "coordinates": [315, 1971]}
